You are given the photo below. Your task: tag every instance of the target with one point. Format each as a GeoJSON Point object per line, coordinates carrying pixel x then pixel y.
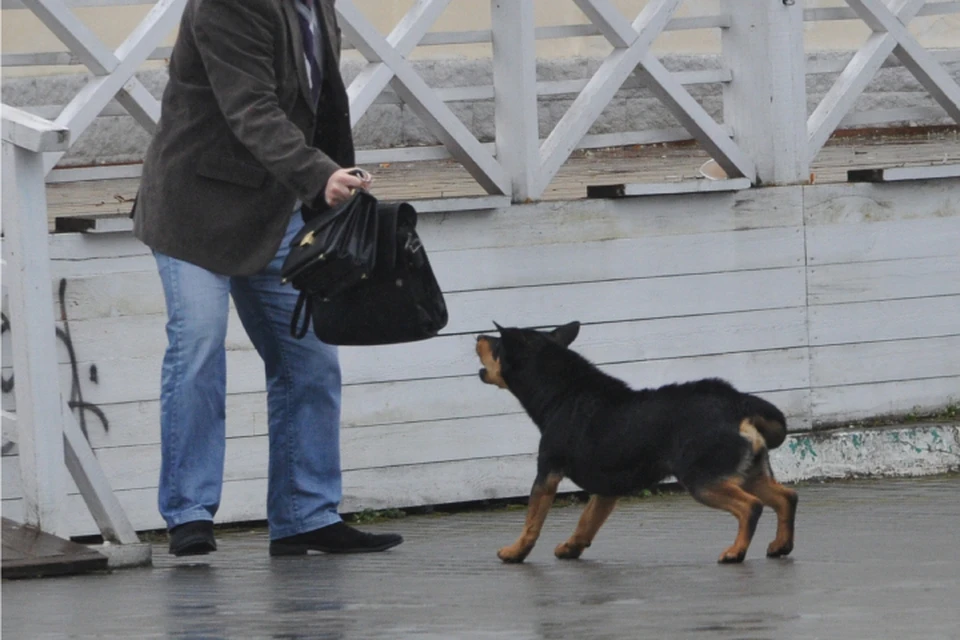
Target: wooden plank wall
{"type": "Point", "coordinates": [834, 301]}
{"type": "Point", "coordinates": [884, 294]}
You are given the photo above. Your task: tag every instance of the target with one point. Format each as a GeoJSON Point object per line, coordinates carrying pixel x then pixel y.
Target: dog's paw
{"type": "Point", "coordinates": [567, 551]}
{"type": "Point", "coordinates": [779, 549]}
{"type": "Point", "coordinates": [512, 554]}
{"type": "Point", "coordinates": [732, 556]}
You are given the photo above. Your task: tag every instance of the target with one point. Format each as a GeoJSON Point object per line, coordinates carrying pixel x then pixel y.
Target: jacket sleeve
{"type": "Point", "coordinates": [237, 44]}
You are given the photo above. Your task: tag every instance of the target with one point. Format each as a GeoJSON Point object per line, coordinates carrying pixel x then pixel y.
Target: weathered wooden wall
{"type": "Point", "coordinates": [833, 301]}
{"type": "Point", "coordinates": [883, 283]}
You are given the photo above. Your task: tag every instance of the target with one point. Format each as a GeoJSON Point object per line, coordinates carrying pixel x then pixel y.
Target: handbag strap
{"type": "Point", "coordinates": [303, 307]}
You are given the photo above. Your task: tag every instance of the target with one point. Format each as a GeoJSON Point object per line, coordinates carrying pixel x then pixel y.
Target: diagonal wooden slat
{"type": "Point", "coordinates": [914, 57]}
{"type": "Point", "coordinates": [81, 111]}
{"type": "Point", "coordinates": [601, 88]}
{"type": "Point", "coordinates": [92, 53]}
{"type": "Point", "coordinates": [414, 91]}
{"type": "Point", "coordinates": [613, 73]}
{"type": "Point", "coordinates": [695, 119]}
{"type": "Point", "coordinates": [608, 19]}
{"type": "Point", "coordinates": [853, 80]}
{"type": "Point", "coordinates": [93, 484]}
{"type": "Point", "coordinates": [374, 78]}
{"type": "Point", "coordinates": [72, 32]}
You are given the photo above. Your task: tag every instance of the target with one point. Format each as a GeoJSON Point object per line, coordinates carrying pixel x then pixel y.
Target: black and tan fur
{"type": "Point", "coordinates": [612, 440]}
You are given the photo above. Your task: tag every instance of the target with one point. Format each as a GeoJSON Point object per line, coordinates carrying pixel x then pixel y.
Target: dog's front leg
{"type": "Point", "coordinates": [541, 499]}
{"type": "Point", "coordinates": [593, 517]}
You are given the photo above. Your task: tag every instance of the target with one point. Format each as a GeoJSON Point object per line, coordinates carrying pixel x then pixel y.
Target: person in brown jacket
{"type": "Point", "coordinates": [254, 136]}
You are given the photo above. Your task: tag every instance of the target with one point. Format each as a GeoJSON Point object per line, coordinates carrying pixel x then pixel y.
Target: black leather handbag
{"type": "Point", "coordinates": [364, 276]}
{"type": "Point", "coordinates": [337, 248]}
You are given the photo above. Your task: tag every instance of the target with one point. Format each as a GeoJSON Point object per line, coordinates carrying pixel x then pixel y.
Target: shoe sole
{"type": "Point", "coordinates": [194, 551]}
{"type": "Point", "coordinates": [194, 548]}
{"type": "Point", "coordinates": [302, 549]}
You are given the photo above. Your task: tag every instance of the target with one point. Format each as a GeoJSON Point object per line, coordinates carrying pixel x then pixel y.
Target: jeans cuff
{"type": "Point", "coordinates": [191, 515]}
{"type": "Point", "coordinates": [317, 522]}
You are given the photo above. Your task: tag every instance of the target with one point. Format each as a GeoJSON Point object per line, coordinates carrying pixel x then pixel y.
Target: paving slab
{"type": "Point", "coordinates": [874, 559]}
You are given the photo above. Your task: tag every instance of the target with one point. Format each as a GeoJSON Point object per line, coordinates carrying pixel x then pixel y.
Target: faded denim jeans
{"type": "Point", "coordinates": [303, 397]}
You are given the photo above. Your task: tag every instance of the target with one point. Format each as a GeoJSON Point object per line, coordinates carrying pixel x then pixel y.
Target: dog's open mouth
{"type": "Point", "coordinates": [488, 350]}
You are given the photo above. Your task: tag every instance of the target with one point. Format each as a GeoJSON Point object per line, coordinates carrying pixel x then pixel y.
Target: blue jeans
{"type": "Point", "coordinates": [303, 397]}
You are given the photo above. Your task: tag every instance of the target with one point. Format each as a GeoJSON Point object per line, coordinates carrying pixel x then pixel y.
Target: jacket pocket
{"type": "Point", "coordinates": [230, 170]}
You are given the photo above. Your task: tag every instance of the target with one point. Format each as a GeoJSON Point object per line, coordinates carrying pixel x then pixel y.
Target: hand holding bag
{"type": "Point", "coordinates": [335, 249]}
{"type": "Point", "coordinates": [380, 287]}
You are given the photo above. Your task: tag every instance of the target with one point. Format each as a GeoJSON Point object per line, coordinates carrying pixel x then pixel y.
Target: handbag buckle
{"type": "Point", "coordinates": [307, 239]}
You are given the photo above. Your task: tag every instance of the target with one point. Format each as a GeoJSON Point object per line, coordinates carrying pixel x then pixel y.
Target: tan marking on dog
{"type": "Point", "coordinates": [596, 512]}
{"type": "Point", "coordinates": [541, 499]}
{"type": "Point", "coordinates": [773, 432]}
{"type": "Point", "coordinates": [491, 365]}
{"type": "Point", "coordinates": [746, 508]}
{"type": "Point", "coordinates": [749, 433]}
{"type": "Point", "coordinates": [784, 502]}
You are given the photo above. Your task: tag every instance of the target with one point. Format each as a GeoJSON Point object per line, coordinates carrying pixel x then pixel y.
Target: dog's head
{"type": "Point", "coordinates": [515, 346]}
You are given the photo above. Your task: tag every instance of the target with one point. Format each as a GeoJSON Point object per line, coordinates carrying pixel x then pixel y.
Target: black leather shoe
{"type": "Point", "coordinates": [192, 538]}
{"type": "Point", "coordinates": [335, 538]}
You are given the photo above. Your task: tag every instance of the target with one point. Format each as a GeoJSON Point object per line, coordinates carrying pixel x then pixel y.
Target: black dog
{"type": "Point", "coordinates": [612, 440]}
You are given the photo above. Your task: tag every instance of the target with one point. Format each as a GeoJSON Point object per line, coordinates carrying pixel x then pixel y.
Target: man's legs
{"type": "Point", "coordinates": [193, 390]}
{"type": "Point", "coordinates": [303, 399]}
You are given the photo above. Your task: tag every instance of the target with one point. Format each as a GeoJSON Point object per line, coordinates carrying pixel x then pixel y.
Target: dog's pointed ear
{"type": "Point", "coordinates": [499, 328]}
{"type": "Point", "coordinates": [566, 334]}
{"type": "Point", "coordinates": [511, 340]}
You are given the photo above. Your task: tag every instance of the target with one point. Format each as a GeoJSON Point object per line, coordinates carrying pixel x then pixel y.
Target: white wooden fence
{"type": "Point", "coordinates": [49, 440]}
{"type": "Point", "coordinates": [835, 301]}
{"type": "Point", "coordinates": [742, 270]}
{"type": "Point", "coordinates": [765, 134]}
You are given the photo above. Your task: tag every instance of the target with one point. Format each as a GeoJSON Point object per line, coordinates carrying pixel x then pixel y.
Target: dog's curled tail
{"type": "Point", "coordinates": [767, 419]}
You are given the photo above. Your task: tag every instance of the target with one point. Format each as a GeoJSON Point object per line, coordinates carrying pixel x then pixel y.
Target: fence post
{"type": "Point", "coordinates": [515, 95]}
{"type": "Point", "coordinates": [37, 377]}
{"type": "Point", "coordinates": [766, 103]}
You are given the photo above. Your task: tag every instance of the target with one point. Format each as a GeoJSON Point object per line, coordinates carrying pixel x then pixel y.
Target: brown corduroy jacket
{"type": "Point", "coordinates": [239, 140]}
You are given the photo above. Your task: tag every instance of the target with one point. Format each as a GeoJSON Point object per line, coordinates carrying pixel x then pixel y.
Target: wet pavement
{"type": "Point", "coordinates": [874, 559]}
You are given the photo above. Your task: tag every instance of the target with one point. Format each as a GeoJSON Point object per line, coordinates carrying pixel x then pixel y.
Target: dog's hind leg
{"type": "Point", "coordinates": [596, 512]}
{"type": "Point", "coordinates": [783, 501]}
{"type": "Point", "coordinates": [541, 499]}
{"type": "Point", "coordinates": [746, 508]}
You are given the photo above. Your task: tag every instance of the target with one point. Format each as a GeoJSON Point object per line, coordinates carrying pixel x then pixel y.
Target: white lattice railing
{"type": "Point", "coordinates": [113, 71]}
{"type": "Point", "coordinates": [889, 23]}
{"type": "Point", "coordinates": [49, 440]}
{"type": "Point", "coordinates": [764, 133]}
{"type": "Point", "coordinates": [520, 163]}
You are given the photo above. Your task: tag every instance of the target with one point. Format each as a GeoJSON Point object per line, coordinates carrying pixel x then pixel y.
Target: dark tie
{"type": "Point", "coordinates": [310, 33]}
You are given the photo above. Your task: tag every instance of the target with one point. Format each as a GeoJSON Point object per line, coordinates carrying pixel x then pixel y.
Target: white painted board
{"type": "Point", "coordinates": [886, 280]}
{"type": "Point", "coordinates": [884, 320]}
{"type": "Point", "coordinates": [885, 361]}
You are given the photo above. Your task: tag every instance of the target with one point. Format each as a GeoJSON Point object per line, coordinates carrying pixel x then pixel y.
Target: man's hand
{"type": "Point", "coordinates": [343, 182]}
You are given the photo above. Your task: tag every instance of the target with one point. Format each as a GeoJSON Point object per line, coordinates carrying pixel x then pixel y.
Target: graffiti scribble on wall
{"type": "Point", "coordinates": [85, 411]}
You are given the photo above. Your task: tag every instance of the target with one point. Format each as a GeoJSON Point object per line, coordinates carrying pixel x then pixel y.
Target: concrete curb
{"type": "Point", "coordinates": [896, 451]}
{"type": "Point", "coordinates": [125, 556]}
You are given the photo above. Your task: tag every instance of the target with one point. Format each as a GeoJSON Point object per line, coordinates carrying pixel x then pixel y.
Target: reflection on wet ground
{"type": "Point", "coordinates": [874, 559]}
